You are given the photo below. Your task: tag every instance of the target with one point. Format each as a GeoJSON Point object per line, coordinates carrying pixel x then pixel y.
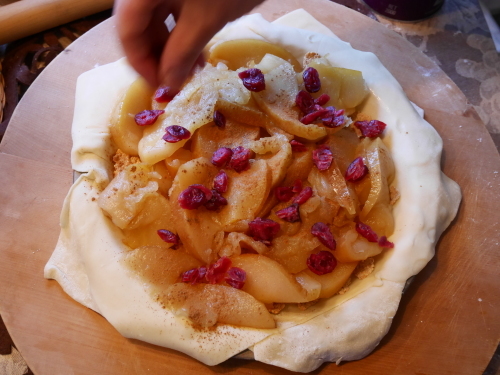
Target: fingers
{"type": "Point", "coordinates": [198, 22]}
{"type": "Point", "coordinates": [143, 34]}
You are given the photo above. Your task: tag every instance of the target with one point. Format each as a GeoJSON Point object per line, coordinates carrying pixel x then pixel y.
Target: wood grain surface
{"type": "Point", "coordinates": [448, 318]}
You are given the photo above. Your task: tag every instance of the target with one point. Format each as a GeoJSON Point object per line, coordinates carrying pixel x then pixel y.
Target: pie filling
{"type": "Point", "coordinates": [257, 186]}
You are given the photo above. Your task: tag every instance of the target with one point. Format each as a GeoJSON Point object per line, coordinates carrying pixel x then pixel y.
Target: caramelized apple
{"type": "Point", "coordinates": [125, 132]}
{"type": "Point", "coordinates": [126, 196]}
{"type": "Point", "coordinates": [238, 53]}
{"type": "Point", "coordinates": [196, 228]}
{"type": "Point", "coordinates": [268, 281]}
{"type": "Point", "coordinates": [206, 305]}
{"type": "Point", "coordinates": [332, 282]}
{"type": "Point", "coordinates": [158, 266]}
{"type": "Point", "coordinates": [377, 211]}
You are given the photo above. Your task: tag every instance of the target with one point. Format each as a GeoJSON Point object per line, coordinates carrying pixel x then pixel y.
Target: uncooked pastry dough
{"type": "Point", "coordinates": [345, 327]}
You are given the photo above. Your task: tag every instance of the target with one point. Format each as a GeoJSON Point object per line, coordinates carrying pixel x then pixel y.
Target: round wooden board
{"type": "Point", "coordinates": [448, 319]}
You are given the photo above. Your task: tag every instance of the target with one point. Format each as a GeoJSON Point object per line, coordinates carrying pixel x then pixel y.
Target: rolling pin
{"type": "Point", "coordinates": [27, 17]}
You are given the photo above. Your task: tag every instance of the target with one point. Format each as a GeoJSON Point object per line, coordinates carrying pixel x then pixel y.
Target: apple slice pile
{"type": "Point", "coordinates": [253, 185]}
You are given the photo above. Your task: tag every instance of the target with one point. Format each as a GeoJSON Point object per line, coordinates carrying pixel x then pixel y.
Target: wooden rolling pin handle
{"type": "Point", "coordinates": [27, 17]}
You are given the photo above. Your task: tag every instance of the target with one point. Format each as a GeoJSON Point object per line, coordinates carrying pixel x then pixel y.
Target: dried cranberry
{"type": "Point", "coordinates": [383, 242]}
{"type": "Point", "coordinates": [190, 276]}
{"type": "Point", "coordinates": [253, 79]}
{"type": "Point", "coordinates": [356, 170]}
{"type": "Point", "coordinates": [240, 160]}
{"type": "Point", "coordinates": [216, 271]}
{"type": "Point", "coordinates": [263, 229]}
{"type": "Point", "coordinates": [236, 277]}
{"type": "Point", "coordinates": [313, 116]}
{"type": "Point", "coordinates": [148, 117]}
{"type": "Point", "coordinates": [366, 232]}
{"type": "Point", "coordinates": [217, 201]}
{"type": "Point", "coordinates": [303, 196]}
{"type": "Point", "coordinates": [194, 196]}
{"type": "Point", "coordinates": [221, 181]}
{"type": "Point", "coordinates": [322, 157]}
{"type": "Point", "coordinates": [168, 236]}
{"type": "Point", "coordinates": [297, 186]}
{"type": "Point", "coordinates": [164, 94]}
{"type": "Point", "coordinates": [222, 156]}
{"type": "Point", "coordinates": [290, 214]}
{"type": "Point", "coordinates": [297, 146]}
{"type": "Point", "coordinates": [322, 99]}
{"type": "Point", "coordinates": [311, 80]}
{"type": "Point", "coordinates": [176, 133]}
{"type": "Point", "coordinates": [370, 129]}
{"type": "Point", "coordinates": [333, 118]}
{"type": "Point", "coordinates": [322, 263]}
{"type": "Point", "coordinates": [219, 119]}
{"type": "Point", "coordinates": [325, 236]}
{"type": "Point", "coordinates": [304, 101]}
{"type": "Point", "coordinates": [283, 193]}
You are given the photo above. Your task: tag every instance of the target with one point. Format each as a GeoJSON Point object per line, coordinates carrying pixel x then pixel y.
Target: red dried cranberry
{"type": "Point", "coordinates": [222, 156]}
{"type": "Point", "coordinates": [219, 119]}
{"type": "Point", "coordinates": [164, 94]}
{"type": "Point", "coordinates": [221, 181]}
{"type": "Point", "coordinates": [313, 116]}
{"type": "Point", "coordinates": [148, 117]}
{"type": "Point", "coordinates": [217, 201]}
{"type": "Point", "coordinates": [240, 160]}
{"type": "Point", "coordinates": [311, 80]}
{"type": "Point", "coordinates": [168, 236]}
{"type": "Point", "coordinates": [322, 157]}
{"type": "Point", "coordinates": [370, 129]}
{"type": "Point", "coordinates": [216, 271]}
{"type": "Point", "coordinates": [236, 277]}
{"type": "Point", "coordinates": [194, 196]}
{"type": "Point", "coordinates": [297, 186]}
{"type": "Point", "coordinates": [304, 101]}
{"type": "Point", "coordinates": [322, 263]}
{"type": "Point", "coordinates": [366, 231]}
{"type": "Point", "coordinates": [190, 276]}
{"type": "Point", "coordinates": [303, 196]}
{"type": "Point", "coordinates": [333, 118]}
{"type": "Point", "coordinates": [176, 133]}
{"type": "Point", "coordinates": [297, 146]}
{"type": "Point", "coordinates": [283, 193]}
{"type": "Point", "coordinates": [325, 236]}
{"type": "Point", "coordinates": [322, 99]}
{"type": "Point", "coordinates": [384, 242]}
{"type": "Point", "coordinates": [253, 79]}
{"type": "Point", "coordinates": [263, 229]}
{"type": "Point", "coordinates": [356, 170]}
{"type": "Point", "coordinates": [290, 214]}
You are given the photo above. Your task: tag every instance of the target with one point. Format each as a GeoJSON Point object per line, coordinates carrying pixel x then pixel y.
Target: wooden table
{"type": "Point", "coordinates": [446, 323]}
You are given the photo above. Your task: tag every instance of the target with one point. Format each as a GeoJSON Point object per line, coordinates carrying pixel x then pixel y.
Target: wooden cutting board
{"type": "Point", "coordinates": [448, 319]}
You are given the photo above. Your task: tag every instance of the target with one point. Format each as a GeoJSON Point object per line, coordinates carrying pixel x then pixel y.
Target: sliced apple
{"type": "Point", "coordinates": [196, 228]}
{"type": "Point", "coordinates": [377, 211]}
{"type": "Point", "coordinates": [209, 138]}
{"type": "Point", "coordinates": [331, 282]}
{"type": "Point", "coordinates": [238, 53]}
{"type": "Point", "coordinates": [205, 305]}
{"type": "Point", "coordinates": [292, 251]}
{"type": "Point", "coordinates": [351, 247]}
{"type": "Point", "coordinates": [158, 266]}
{"type": "Point", "coordinates": [246, 193]}
{"type": "Point", "coordinates": [192, 108]}
{"type": "Point", "coordinates": [278, 99]}
{"type": "Point", "coordinates": [125, 132]}
{"type": "Point", "coordinates": [268, 281]}
{"type": "Point", "coordinates": [128, 194]}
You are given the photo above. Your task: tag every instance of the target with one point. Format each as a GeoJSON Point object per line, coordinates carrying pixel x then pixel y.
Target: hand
{"type": "Point", "coordinates": [164, 58]}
